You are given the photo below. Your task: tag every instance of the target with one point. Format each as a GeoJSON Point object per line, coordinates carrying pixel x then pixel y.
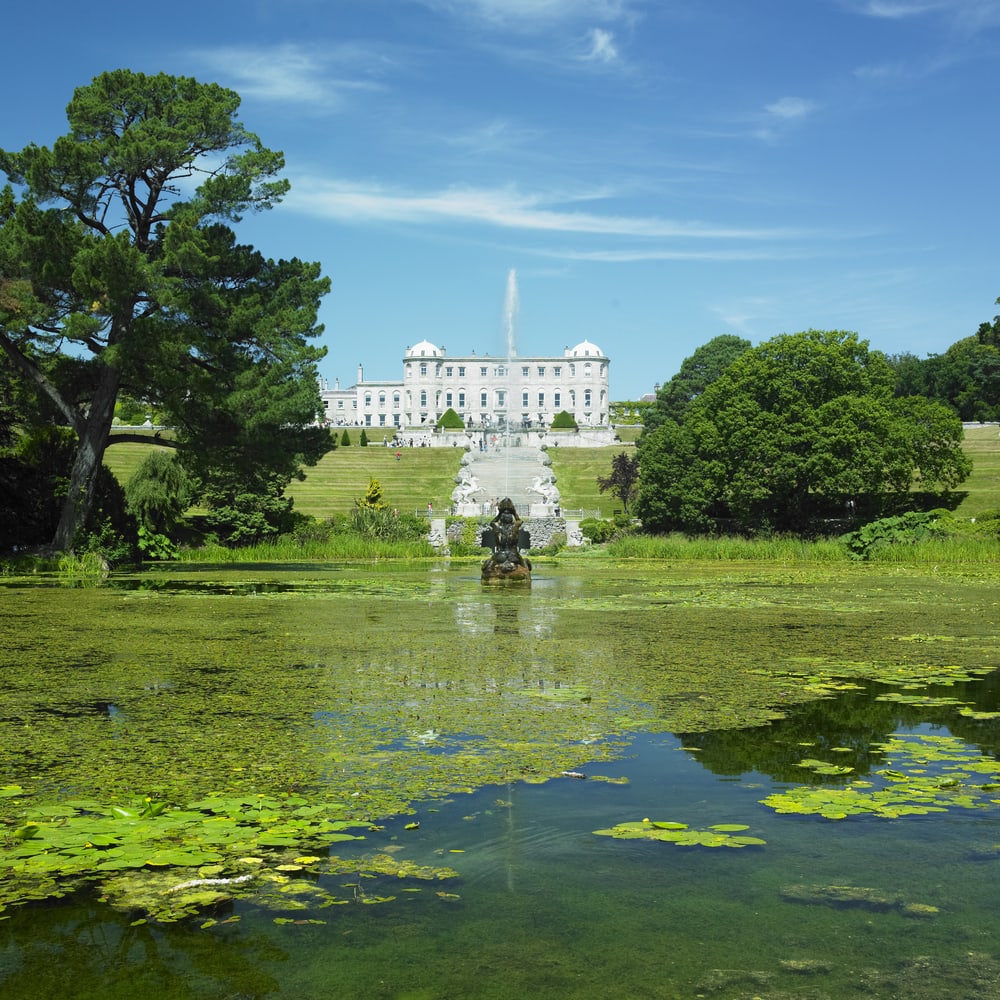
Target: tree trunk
{"type": "Point", "coordinates": [89, 455]}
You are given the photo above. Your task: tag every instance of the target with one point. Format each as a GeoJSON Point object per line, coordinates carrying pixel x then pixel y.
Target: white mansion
{"type": "Point", "coordinates": [522, 394]}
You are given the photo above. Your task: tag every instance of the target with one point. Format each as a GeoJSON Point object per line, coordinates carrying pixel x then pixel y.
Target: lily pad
{"type": "Point", "coordinates": [924, 774]}
{"type": "Point", "coordinates": [719, 835]}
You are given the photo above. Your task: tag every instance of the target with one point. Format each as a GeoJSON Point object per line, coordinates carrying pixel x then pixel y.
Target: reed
{"type": "Point", "coordinates": [965, 550]}
{"type": "Point", "coordinates": [337, 548]}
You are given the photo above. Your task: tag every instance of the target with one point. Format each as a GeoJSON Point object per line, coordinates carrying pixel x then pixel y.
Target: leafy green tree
{"type": "Point", "coordinates": [800, 419]}
{"type": "Point", "coordinates": [345, 439]}
{"type": "Point", "coordinates": [119, 272]}
{"type": "Point", "coordinates": [989, 333]}
{"type": "Point", "coordinates": [911, 374]}
{"type": "Point", "coordinates": [696, 374]}
{"type": "Point", "coordinates": [623, 482]}
{"type": "Point", "coordinates": [159, 492]}
{"type": "Point", "coordinates": [967, 377]}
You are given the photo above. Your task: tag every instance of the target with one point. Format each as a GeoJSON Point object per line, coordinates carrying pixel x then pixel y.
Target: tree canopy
{"type": "Point", "coordinates": [120, 272]}
{"type": "Point", "coordinates": [696, 374]}
{"type": "Point", "coordinates": [801, 422]}
{"type": "Point", "coordinates": [966, 377]}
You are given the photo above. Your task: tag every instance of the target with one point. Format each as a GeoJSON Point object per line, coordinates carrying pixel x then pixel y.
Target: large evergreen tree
{"type": "Point", "coordinates": [801, 417]}
{"type": "Point", "coordinates": [120, 272]}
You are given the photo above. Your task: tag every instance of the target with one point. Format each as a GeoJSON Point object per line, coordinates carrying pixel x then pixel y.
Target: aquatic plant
{"type": "Point", "coordinates": [89, 569]}
{"type": "Point", "coordinates": [923, 774]}
{"type": "Point", "coordinates": [669, 832]}
{"type": "Point", "coordinates": [168, 862]}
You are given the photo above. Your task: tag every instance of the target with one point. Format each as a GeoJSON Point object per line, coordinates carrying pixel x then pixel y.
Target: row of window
{"type": "Point", "coordinates": [450, 399]}
{"type": "Point", "coordinates": [500, 371]}
{"type": "Point", "coordinates": [526, 420]}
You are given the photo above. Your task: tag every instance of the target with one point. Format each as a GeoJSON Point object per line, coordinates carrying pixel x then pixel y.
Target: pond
{"type": "Point", "coordinates": [310, 781]}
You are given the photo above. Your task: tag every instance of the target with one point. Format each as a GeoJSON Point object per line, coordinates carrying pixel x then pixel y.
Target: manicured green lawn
{"type": "Point", "coordinates": [982, 445]}
{"type": "Point", "coordinates": [420, 476]}
{"type": "Point", "coordinates": [576, 471]}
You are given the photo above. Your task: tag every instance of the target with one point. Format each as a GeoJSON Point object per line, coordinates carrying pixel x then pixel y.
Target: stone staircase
{"type": "Point", "coordinates": [517, 472]}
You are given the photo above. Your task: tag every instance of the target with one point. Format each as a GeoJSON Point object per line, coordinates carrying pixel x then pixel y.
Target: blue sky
{"type": "Point", "coordinates": [657, 172]}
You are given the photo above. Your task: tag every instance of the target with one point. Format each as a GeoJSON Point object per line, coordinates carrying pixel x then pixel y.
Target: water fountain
{"type": "Point", "coordinates": [506, 535]}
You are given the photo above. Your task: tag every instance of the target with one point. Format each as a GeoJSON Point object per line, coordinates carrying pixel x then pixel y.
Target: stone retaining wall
{"type": "Point", "coordinates": [540, 531]}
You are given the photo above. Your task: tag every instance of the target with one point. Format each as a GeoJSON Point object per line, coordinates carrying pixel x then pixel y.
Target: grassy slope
{"type": "Point", "coordinates": [421, 476]}
{"type": "Point", "coordinates": [576, 471]}
{"type": "Point", "coordinates": [982, 488]}
{"type": "Point", "coordinates": [428, 474]}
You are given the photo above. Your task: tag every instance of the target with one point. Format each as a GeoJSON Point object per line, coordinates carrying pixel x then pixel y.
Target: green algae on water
{"type": "Point", "coordinates": [923, 774]}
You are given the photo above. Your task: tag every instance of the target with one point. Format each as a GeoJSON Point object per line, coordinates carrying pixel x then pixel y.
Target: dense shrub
{"type": "Point", "coordinates": [902, 529]}
{"type": "Point", "coordinates": [598, 530]}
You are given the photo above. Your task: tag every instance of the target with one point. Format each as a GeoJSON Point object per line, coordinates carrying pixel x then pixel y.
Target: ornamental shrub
{"type": "Point", "coordinates": [450, 421]}
{"type": "Point", "coordinates": [563, 421]}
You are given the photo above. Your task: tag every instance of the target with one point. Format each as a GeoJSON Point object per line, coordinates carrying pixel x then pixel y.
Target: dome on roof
{"type": "Point", "coordinates": [585, 349]}
{"type": "Point", "coordinates": [425, 349]}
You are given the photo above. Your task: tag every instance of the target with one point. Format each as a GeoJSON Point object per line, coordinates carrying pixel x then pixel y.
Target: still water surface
{"type": "Point", "coordinates": [627, 673]}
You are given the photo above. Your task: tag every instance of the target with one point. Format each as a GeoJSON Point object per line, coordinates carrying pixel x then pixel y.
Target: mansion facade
{"type": "Point", "coordinates": [512, 393]}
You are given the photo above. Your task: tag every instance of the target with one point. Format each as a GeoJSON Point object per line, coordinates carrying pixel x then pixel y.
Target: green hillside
{"type": "Point", "coordinates": [427, 475]}
{"type": "Point", "coordinates": [982, 488]}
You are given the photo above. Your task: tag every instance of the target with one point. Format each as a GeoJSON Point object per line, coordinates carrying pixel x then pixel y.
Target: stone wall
{"type": "Point", "coordinates": [540, 531]}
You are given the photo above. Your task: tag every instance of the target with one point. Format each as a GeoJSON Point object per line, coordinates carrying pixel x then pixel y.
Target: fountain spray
{"type": "Point", "coordinates": [510, 309]}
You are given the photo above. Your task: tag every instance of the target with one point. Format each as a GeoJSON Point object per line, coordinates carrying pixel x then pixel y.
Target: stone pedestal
{"type": "Point", "coordinates": [542, 510]}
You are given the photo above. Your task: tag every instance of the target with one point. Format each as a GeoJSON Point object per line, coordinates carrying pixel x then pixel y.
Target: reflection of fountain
{"type": "Point", "coordinates": [505, 536]}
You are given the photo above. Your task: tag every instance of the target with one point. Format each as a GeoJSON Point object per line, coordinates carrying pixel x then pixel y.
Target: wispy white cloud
{"type": "Point", "coordinates": [965, 15]}
{"type": "Point", "coordinates": [773, 120]}
{"type": "Point", "coordinates": [505, 208]}
{"type": "Point", "coordinates": [529, 14]}
{"type": "Point", "coordinates": [790, 108]}
{"type": "Point", "coordinates": [601, 46]}
{"type": "Point", "coordinates": [498, 135]}
{"type": "Point", "coordinates": [897, 9]}
{"type": "Point", "coordinates": [293, 74]}
{"type": "Point", "coordinates": [637, 255]}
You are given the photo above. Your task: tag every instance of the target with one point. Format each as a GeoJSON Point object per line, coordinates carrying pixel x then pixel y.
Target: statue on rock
{"type": "Point", "coordinates": [505, 536]}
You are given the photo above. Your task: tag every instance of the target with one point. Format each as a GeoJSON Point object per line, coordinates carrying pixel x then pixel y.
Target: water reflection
{"type": "Point", "coordinates": [847, 726]}
{"type": "Point", "coordinates": [423, 690]}
{"type": "Point", "coordinates": [509, 612]}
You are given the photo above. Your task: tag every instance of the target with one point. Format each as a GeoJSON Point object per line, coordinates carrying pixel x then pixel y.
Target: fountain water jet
{"type": "Point", "coordinates": [510, 309]}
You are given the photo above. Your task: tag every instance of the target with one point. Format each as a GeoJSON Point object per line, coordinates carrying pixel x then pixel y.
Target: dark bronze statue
{"type": "Point", "coordinates": [505, 536]}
